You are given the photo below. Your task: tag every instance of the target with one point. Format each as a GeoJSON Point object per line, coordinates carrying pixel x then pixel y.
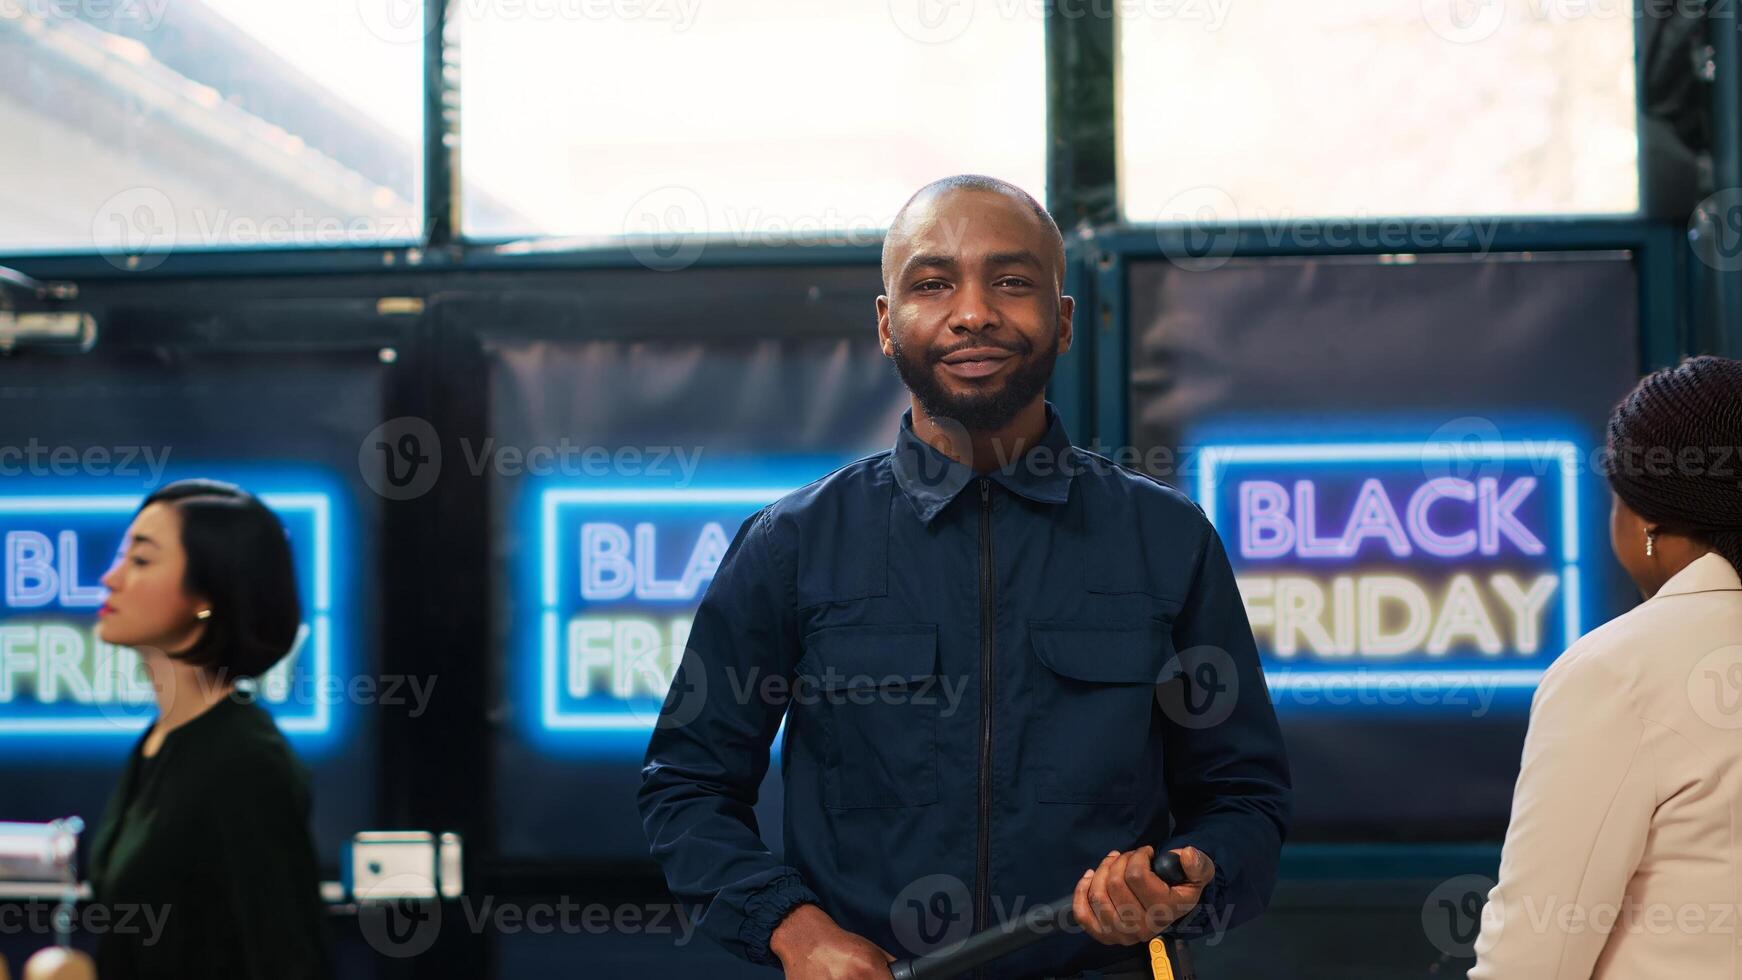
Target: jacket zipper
{"type": "Point", "coordinates": [983, 870]}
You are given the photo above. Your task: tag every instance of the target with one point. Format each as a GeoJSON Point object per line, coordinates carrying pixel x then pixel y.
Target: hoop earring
{"type": "Point", "coordinates": [1650, 544]}
{"type": "Point", "coordinates": [207, 613]}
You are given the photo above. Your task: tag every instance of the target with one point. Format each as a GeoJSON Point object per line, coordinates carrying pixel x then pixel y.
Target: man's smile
{"type": "Point", "coordinates": [977, 362]}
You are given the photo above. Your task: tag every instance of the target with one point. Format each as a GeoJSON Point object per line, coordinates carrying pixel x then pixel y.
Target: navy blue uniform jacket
{"type": "Point", "coordinates": [988, 682]}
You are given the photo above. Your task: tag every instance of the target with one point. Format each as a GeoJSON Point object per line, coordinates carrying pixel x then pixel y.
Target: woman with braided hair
{"type": "Point", "coordinates": [1624, 854]}
{"type": "Point", "coordinates": [1676, 505]}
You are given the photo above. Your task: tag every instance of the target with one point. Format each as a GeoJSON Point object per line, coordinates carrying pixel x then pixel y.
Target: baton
{"type": "Point", "coordinates": [1030, 927]}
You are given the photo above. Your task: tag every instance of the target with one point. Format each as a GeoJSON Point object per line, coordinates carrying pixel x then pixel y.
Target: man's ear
{"type": "Point", "coordinates": [1067, 309]}
{"type": "Point", "coordinates": [883, 341]}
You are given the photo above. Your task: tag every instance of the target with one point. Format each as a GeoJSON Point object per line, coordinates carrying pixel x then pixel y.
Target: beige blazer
{"type": "Point", "coordinates": [1624, 855]}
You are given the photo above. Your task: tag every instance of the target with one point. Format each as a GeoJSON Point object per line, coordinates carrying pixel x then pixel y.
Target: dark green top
{"type": "Point", "coordinates": [209, 841]}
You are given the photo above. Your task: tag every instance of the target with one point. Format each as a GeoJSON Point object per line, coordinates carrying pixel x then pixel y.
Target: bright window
{"type": "Point", "coordinates": [134, 126]}
{"type": "Point", "coordinates": [757, 120]}
{"type": "Point", "coordinates": [1271, 109]}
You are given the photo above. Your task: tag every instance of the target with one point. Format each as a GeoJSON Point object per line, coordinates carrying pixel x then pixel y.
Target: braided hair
{"type": "Point", "coordinates": [1674, 448]}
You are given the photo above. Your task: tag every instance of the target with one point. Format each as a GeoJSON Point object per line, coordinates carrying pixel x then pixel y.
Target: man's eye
{"type": "Point", "coordinates": [930, 285]}
{"type": "Point", "coordinates": [1016, 281]}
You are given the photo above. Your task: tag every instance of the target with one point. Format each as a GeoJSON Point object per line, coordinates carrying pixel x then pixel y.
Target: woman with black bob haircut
{"type": "Point", "coordinates": [205, 845]}
{"type": "Point", "coordinates": [1624, 815]}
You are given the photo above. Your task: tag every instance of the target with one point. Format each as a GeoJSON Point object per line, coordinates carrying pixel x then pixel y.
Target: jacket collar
{"type": "Point", "coordinates": [1706, 573]}
{"type": "Point", "coordinates": [931, 480]}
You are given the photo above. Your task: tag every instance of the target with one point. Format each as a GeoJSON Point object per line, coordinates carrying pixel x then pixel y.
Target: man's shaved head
{"type": "Point", "coordinates": [898, 229]}
{"type": "Point", "coordinates": [973, 314]}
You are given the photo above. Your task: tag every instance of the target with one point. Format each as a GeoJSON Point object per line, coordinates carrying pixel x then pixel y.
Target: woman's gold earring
{"type": "Point", "coordinates": [207, 613]}
{"type": "Point", "coordinates": [1650, 544]}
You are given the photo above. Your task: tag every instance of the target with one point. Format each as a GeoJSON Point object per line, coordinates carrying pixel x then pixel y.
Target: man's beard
{"type": "Point", "coordinates": [985, 411]}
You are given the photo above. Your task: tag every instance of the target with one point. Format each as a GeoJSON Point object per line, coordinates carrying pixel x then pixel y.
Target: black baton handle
{"type": "Point", "coordinates": [1030, 927]}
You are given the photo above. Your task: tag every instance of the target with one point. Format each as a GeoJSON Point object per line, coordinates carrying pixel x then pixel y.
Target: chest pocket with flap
{"type": "Point", "coordinates": [874, 691]}
{"type": "Point", "coordinates": [1093, 702]}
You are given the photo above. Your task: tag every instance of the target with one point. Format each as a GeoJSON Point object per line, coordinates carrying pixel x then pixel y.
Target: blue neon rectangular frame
{"type": "Point", "coordinates": [1212, 459]}
{"type": "Point", "coordinates": [552, 716]}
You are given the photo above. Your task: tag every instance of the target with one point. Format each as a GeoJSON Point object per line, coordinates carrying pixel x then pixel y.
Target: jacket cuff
{"type": "Point", "coordinates": [764, 910]}
{"type": "Point", "coordinates": [1205, 918]}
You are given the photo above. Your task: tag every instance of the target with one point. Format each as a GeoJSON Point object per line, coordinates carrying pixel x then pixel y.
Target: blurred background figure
{"type": "Point", "coordinates": [206, 839]}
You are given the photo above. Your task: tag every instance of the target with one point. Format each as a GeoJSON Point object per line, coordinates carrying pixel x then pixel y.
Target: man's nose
{"type": "Point", "coordinates": [972, 312]}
